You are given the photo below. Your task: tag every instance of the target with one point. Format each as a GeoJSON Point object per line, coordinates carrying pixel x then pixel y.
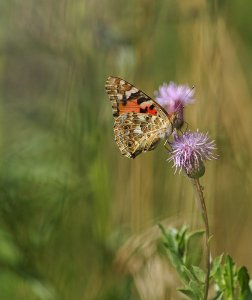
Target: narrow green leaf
{"type": "Point", "coordinates": [183, 231]}
{"type": "Point", "coordinates": [243, 279]}
{"type": "Point", "coordinates": [219, 296]}
{"type": "Point", "coordinates": [197, 288]}
{"type": "Point", "coordinates": [175, 259]}
{"type": "Point", "coordinates": [189, 293]}
{"type": "Point", "coordinates": [197, 233]}
{"type": "Point", "coordinates": [182, 242]}
{"type": "Point", "coordinates": [199, 274]}
{"type": "Point", "coordinates": [162, 230]}
{"type": "Point", "coordinates": [189, 274]}
{"type": "Point", "coordinates": [229, 267]}
{"type": "Point", "coordinates": [216, 264]}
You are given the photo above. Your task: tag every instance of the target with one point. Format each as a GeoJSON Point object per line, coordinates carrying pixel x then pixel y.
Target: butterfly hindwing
{"type": "Point", "coordinates": [136, 133]}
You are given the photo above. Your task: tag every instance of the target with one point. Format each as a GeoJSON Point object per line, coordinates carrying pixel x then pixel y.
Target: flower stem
{"type": "Point", "coordinates": [200, 197]}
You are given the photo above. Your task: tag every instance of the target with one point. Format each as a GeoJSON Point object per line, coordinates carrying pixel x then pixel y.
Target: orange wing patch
{"type": "Point", "coordinates": [133, 106]}
{"type": "Point", "coordinates": [129, 106]}
{"type": "Point", "coordinates": [126, 98]}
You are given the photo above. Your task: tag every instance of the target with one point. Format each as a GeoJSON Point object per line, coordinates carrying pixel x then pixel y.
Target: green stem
{"type": "Point", "coordinates": [200, 198]}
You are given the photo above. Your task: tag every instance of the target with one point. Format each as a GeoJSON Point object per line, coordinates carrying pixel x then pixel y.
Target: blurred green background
{"type": "Point", "coordinates": [73, 211]}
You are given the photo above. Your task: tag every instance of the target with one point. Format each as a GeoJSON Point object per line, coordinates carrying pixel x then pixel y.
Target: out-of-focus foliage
{"type": "Point", "coordinates": [68, 200]}
{"type": "Point", "coordinates": [227, 282]}
{"type": "Point", "coordinates": [231, 282]}
{"type": "Point", "coordinates": [181, 256]}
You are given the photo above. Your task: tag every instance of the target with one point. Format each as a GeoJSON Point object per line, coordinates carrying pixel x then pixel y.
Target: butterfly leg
{"type": "Point", "coordinates": [166, 147]}
{"type": "Point", "coordinates": [187, 126]}
{"type": "Point", "coordinates": [180, 129]}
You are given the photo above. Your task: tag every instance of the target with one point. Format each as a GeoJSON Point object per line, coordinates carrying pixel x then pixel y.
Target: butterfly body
{"type": "Point", "coordinates": [140, 122]}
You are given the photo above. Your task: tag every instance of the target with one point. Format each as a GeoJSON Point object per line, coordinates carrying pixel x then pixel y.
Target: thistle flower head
{"type": "Point", "coordinates": [189, 152]}
{"type": "Point", "coordinates": [173, 97]}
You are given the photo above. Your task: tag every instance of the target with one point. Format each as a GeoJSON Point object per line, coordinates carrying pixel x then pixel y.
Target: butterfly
{"type": "Point", "coordinates": [140, 122]}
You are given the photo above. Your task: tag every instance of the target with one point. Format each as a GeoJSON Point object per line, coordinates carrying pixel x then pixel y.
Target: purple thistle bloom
{"type": "Point", "coordinates": [174, 97]}
{"type": "Point", "coordinates": [189, 152]}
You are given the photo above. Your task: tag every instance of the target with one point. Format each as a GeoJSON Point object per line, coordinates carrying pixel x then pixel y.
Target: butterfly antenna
{"type": "Point", "coordinates": [187, 125]}
{"type": "Point", "coordinates": [190, 90]}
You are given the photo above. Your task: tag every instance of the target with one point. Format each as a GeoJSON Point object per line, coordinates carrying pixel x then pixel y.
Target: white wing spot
{"type": "Point", "coordinates": [128, 93]}
{"type": "Point", "coordinates": [137, 130]}
{"type": "Point", "coordinates": [133, 90]}
{"type": "Point", "coordinates": [141, 117]}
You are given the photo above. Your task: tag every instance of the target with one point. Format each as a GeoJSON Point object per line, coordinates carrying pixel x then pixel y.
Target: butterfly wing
{"type": "Point", "coordinates": [140, 122]}
{"type": "Point", "coordinates": [137, 132]}
{"type": "Point", "coordinates": [127, 98]}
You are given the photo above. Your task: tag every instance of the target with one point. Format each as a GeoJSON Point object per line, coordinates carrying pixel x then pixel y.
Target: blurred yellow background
{"type": "Point", "coordinates": [68, 200]}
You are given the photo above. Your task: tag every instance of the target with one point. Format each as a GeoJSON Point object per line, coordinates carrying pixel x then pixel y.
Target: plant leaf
{"type": "Point", "coordinates": [218, 296]}
{"type": "Point", "coordinates": [199, 274]}
{"type": "Point", "coordinates": [194, 248]}
{"type": "Point", "coordinates": [216, 265]}
{"type": "Point", "coordinates": [229, 266]}
{"type": "Point", "coordinates": [243, 279]}
{"type": "Point", "coordinates": [189, 293]}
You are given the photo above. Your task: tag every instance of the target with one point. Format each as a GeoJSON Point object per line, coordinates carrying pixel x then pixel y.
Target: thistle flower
{"type": "Point", "coordinates": [173, 98]}
{"type": "Point", "coordinates": [189, 152]}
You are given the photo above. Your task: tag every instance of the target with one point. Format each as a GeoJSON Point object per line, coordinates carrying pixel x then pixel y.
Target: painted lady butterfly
{"type": "Point", "coordinates": [140, 122]}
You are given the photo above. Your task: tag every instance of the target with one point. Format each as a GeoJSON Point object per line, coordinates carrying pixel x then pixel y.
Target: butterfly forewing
{"type": "Point", "coordinates": [125, 98]}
